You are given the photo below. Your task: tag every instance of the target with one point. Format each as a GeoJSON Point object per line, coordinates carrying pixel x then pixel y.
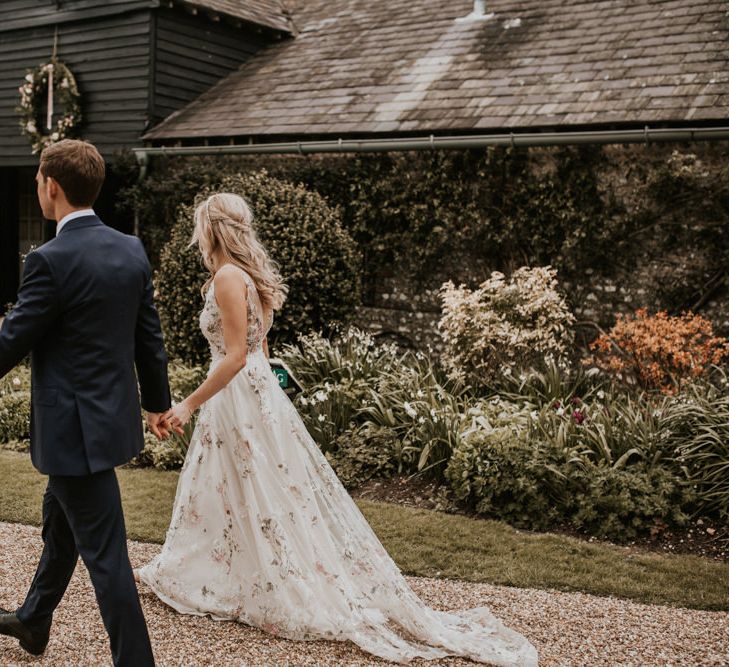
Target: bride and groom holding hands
{"type": "Point", "coordinates": [262, 531]}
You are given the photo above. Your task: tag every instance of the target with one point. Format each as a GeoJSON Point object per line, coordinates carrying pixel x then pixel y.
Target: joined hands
{"type": "Point", "coordinates": [161, 424]}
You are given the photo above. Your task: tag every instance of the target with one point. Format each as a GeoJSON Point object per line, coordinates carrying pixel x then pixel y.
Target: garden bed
{"type": "Point", "coordinates": [702, 537]}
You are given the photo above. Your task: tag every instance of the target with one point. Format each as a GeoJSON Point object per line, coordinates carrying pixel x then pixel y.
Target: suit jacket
{"type": "Point", "coordinates": [85, 313]}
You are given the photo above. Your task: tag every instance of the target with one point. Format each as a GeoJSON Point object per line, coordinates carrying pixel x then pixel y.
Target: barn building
{"type": "Point", "coordinates": [135, 62]}
{"type": "Point", "coordinates": [241, 75]}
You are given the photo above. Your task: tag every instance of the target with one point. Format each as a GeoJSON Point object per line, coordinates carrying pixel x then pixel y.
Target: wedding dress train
{"type": "Point", "coordinates": [264, 533]}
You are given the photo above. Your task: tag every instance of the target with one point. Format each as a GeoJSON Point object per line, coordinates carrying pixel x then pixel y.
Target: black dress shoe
{"type": "Point", "coordinates": [32, 642]}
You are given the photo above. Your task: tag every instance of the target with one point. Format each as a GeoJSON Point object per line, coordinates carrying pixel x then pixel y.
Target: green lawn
{"type": "Point", "coordinates": [429, 543]}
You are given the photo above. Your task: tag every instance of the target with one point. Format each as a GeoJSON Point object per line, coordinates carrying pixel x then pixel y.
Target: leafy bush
{"type": "Point", "coordinates": [351, 381]}
{"type": "Point", "coordinates": [619, 503]}
{"type": "Point", "coordinates": [498, 473]}
{"type": "Point", "coordinates": [363, 453]}
{"type": "Point", "coordinates": [423, 407]}
{"type": "Point", "coordinates": [329, 409]}
{"type": "Point", "coordinates": [503, 324]}
{"type": "Point", "coordinates": [658, 351]}
{"type": "Point", "coordinates": [303, 234]}
{"type": "Point", "coordinates": [503, 471]}
{"type": "Point", "coordinates": [616, 431]}
{"type": "Point", "coordinates": [699, 423]}
{"type": "Point", "coordinates": [15, 416]}
{"type": "Point", "coordinates": [546, 382]}
{"type": "Point", "coordinates": [15, 405]}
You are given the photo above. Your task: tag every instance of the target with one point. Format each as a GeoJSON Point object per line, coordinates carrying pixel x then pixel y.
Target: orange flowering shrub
{"type": "Point", "coordinates": [658, 351]}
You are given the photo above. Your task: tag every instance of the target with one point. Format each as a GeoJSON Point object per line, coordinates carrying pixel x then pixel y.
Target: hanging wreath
{"type": "Point", "coordinates": [51, 77]}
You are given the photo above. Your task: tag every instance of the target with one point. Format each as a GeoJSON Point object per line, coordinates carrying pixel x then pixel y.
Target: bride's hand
{"type": "Point", "coordinates": [178, 416]}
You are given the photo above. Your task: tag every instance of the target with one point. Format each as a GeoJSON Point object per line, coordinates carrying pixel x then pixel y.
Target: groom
{"type": "Point", "coordinates": [86, 315]}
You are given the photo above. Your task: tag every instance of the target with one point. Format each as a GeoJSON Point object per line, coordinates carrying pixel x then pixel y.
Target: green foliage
{"type": "Point", "coordinates": [352, 382]}
{"type": "Point", "coordinates": [681, 201]}
{"type": "Point", "coordinates": [425, 210]}
{"type": "Point", "coordinates": [699, 426]}
{"type": "Point", "coordinates": [502, 478]}
{"type": "Point", "coordinates": [536, 485]}
{"type": "Point", "coordinates": [301, 232]}
{"type": "Point", "coordinates": [15, 407]}
{"type": "Point", "coordinates": [423, 407]}
{"type": "Point", "coordinates": [350, 355]}
{"type": "Point", "coordinates": [363, 453]}
{"type": "Point", "coordinates": [546, 381]}
{"type": "Point", "coordinates": [619, 503]}
{"type": "Point", "coordinates": [15, 416]}
{"type": "Point", "coordinates": [331, 408]}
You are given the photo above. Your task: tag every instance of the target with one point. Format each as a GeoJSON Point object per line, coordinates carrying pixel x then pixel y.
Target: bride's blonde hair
{"type": "Point", "coordinates": [224, 224]}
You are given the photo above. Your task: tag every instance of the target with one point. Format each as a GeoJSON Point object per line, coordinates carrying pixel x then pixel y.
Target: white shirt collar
{"type": "Point", "coordinates": [72, 216]}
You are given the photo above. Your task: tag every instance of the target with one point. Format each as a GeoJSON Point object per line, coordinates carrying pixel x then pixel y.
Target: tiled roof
{"type": "Point", "coordinates": [391, 66]}
{"type": "Point", "coordinates": [269, 13]}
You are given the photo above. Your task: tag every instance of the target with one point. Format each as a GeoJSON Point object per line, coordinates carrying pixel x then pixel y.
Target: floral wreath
{"type": "Point", "coordinates": [51, 76]}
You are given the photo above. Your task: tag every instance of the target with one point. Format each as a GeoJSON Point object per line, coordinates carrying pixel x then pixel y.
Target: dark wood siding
{"type": "Point", "coordinates": [20, 14]}
{"type": "Point", "coordinates": [8, 236]}
{"type": "Point", "coordinates": [110, 57]}
{"type": "Point", "coordinates": [192, 54]}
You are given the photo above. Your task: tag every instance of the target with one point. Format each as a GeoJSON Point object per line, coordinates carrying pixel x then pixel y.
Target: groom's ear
{"type": "Point", "coordinates": [52, 187]}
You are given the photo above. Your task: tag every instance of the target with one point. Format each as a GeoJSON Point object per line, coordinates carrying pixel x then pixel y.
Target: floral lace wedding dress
{"type": "Point", "coordinates": [264, 533]}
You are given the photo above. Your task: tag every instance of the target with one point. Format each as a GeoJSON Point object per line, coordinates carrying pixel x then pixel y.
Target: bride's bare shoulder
{"type": "Point", "coordinates": [229, 278]}
{"type": "Point", "coordinates": [229, 273]}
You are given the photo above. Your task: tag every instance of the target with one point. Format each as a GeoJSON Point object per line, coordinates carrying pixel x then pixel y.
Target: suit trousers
{"type": "Point", "coordinates": [83, 515]}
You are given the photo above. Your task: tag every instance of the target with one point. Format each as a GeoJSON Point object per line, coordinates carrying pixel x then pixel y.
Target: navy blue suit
{"type": "Point", "coordinates": [85, 313]}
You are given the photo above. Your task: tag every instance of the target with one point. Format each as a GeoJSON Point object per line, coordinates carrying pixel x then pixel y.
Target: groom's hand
{"type": "Point", "coordinates": [157, 425]}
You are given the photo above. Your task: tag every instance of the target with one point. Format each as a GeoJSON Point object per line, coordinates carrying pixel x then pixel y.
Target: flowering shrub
{"type": "Point", "coordinates": [336, 376]}
{"type": "Point", "coordinates": [503, 325]}
{"type": "Point", "coordinates": [423, 408]}
{"type": "Point", "coordinates": [352, 382]}
{"type": "Point", "coordinates": [658, 351]}
{"type": "Point", "coordinates": [330, 408]}
{"type": "Point", "coordinates": [351, 354]}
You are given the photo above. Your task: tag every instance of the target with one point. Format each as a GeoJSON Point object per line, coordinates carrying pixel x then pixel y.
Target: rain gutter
{"type": "Point", "coordinates": [431, 142]}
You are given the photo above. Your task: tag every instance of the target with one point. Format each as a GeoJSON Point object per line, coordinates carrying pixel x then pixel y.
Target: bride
{"type": "Point", "coordinates": [262, 530]}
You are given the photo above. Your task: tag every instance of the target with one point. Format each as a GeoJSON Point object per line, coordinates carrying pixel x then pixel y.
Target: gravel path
{"type": "Point", "coordinates": [568, 629]}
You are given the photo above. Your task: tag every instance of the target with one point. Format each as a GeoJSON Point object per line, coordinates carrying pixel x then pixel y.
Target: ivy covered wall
{"type": "Point", "coordinates": [626, 226]}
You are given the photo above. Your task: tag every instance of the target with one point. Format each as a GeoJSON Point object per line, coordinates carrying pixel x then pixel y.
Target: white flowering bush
{"type": "Point", "coordinates": [504, 325]}
{"type": "Point", "coordinates": [352, 382]}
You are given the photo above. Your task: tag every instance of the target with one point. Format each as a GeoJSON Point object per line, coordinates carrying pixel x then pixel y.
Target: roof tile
{"type": "Point", "coordinates": [384, 66]}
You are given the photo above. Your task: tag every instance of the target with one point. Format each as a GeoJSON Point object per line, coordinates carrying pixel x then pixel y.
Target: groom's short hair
{"type": "Point", "coordinates": [77, 166]}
